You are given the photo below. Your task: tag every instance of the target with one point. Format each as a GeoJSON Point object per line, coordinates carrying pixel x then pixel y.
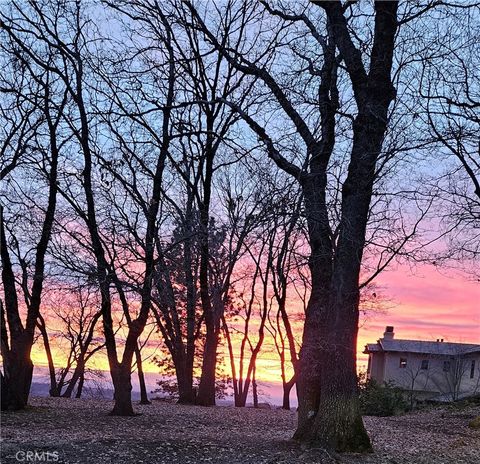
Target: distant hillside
{"type": "Point", "coordinates": [41, 389]}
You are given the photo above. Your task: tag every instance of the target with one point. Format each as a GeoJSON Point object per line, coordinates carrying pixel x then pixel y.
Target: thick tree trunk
{"type": "Point", "coordinates": [184, 373]}
{"type": "Point", "coordinates": [17, 380]}
{"type": "Point", "coordinates": [309, 368]}
{"type": "Point", "coordinates": [329, 413]}
{"type": "Point", "coordinates": [337, 422]}
{"type": "Point", "coordinates": [309, 364]}
{"type": "Point", "coordinates": [122, 383]}
{"type": "Point", "coordinates": [206, 389]}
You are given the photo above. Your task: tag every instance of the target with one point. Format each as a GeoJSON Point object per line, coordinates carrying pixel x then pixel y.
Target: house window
{"type": "Point", "coordinates": [446, 366]}
{"type": "Point", "coordinates": [403, 363]}
{"type": "Point", "coordinates": [472, 369]}
{"type": "Point", "coordinates": [424, 366]}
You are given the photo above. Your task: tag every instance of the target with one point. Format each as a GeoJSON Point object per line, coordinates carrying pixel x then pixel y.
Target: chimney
{"type": "Point", "coordinates": [388, 334]}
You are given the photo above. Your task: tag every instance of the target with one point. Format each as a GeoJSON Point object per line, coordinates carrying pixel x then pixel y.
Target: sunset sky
{"type": "Point", "coordinates": [423, 304]}
{"type": "Point", "coordinates": [430, 304]}
{"type": "Point", "coordinates": [427, 305]}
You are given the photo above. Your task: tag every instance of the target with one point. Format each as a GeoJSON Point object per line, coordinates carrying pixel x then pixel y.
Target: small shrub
{"type": "Point", "coordinates": [475, 423]}
{"type": "Point", "coordinates": [381, 400]}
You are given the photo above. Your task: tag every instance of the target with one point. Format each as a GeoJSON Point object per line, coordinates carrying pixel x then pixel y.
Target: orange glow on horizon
{"type": "Point", "coordinates": [426, 307]}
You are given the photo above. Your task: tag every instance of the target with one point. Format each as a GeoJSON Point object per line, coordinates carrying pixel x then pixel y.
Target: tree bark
{"type": "Point", "coordinates": [122, 384]}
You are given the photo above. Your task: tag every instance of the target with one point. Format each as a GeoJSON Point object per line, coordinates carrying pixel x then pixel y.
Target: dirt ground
{"type": "Point", "coordinates": [81, 431]}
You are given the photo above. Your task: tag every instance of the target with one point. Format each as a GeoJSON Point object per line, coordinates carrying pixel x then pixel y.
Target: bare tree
{"type": "Point", "coordinates": [37, 149]}
{"type": "Point", "coordinates": [451, 104]}
{"type": "Point", "coordinates": [248, 304]}
{"type": "Point", "coordinates": [71, 46]}
{"type": "Point", "coordinates": [328, 406]}
{"type": "Point", "coordinates": [80, 330]}
{"type": "Point", "coordinates": [457, 370]}
{"type": "Point", "coordinates": [284, 274]}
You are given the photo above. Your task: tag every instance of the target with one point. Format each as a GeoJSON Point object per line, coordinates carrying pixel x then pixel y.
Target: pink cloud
{"type": "Point", "coordinates": [427, 305]}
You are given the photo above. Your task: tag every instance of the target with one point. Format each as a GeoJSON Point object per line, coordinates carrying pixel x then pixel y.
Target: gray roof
{"type": "Point", "coordinates": [423, 347]}
{"type": "Point", "coordinates": [371, 347]}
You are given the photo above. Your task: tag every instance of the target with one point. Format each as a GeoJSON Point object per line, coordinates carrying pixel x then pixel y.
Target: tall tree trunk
{"type": "Point", "coordinates": [326, 371]}
{"type": "Point", "coordinates": [254, 388]}
{"type": "Point", "coordinates": [17, 366]}
{"type": "Point", "coordinates": [187, 394]}
{"type": "Point", "coordinates": [122, 384]}
{"type": "Point", "coordinates": [184, 374]}
{"type": "Point", "coordinates": [17, 378]}
{"type": "Point", "coordinates": [77, 374]}
{"type": "Point", "coordinates": [206, 389]}
{"type": "Point", "coordinates": [329, 413]}
{"type": "Point", "coordinates": [54, 387]}
{"type": "Point", "coordinates": [141, 378]}
{"type": "Point", "coordinates": [287, 388]}
{"type": "Point", "coordinates": [81, 382]}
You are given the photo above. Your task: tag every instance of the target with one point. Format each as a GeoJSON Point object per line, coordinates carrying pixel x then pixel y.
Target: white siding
{"type": "Point", "coordinates": [434, 381]}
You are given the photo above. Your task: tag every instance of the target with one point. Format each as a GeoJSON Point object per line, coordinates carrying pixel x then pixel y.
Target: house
{"type": "Point", "coordinates": [430, 370]}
